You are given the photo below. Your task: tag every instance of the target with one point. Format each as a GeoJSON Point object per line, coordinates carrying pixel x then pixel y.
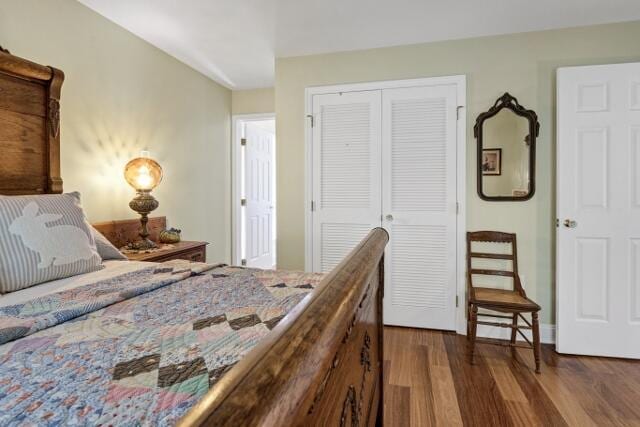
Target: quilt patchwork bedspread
{"type": "Point", "coordinates": [137, 349]}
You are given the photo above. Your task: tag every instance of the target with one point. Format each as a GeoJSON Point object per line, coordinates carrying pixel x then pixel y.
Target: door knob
{"type": "Point", "coordinates": [569, 223]}
{"type": "Point", "coordinates": [389, 217]}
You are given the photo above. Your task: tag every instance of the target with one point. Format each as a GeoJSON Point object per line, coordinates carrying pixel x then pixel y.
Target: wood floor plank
{"type": "Point", "coordinates": [386, 368]}
{"type": "Point", "coordinates": [417, 375]}
{"type": "Point", "coordinates": [525, 400]}
{"type": "Point", "coordinates": [583, 384]}
{"type": "Point", "coordinates": [407, 362]}
{"type": "Point", "coordinates": [422, 411]}
{"type": "Point", "coordinates": [589, 392]}
{"type": "Point", "coordinates": [445, 400]}
{"type": "Point", "coordinates": [555, 360]}
{"type": "Point", "coordinates": [428, 381]}
{"type": "Point", "coordinates": [616, 395]}
{"type": "Point", "coordinates": [523, 414]}
{"type": "Point", "coordinates": [409, 368]}
{"type": "Point", "coordinates": [564, 399]}
{"type": "Point", "coordinates": [507, 384]}
{"type": "Point", "coordinates": [617, 386]}
{"type": "Point", "coordinates": [478, 396]}
{"type": "Point", "coordinates": [437, 351]}
{"type": "Point", "coordinates": [396, 406]}
{"type": "Point", "coordinates": [538, 400]}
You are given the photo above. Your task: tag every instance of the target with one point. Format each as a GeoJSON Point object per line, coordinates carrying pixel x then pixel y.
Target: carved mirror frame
{"type": "Point", "coordinates": [509, 102]}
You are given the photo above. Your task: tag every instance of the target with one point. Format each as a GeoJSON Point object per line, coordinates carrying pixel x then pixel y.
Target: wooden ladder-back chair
{"type": "Point", "coordinates": [512, 301]}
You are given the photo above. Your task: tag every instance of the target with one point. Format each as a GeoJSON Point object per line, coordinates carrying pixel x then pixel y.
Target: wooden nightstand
{"type": "Point", "coordinates": [119, 233]}
{"type": "Point", "coordinates": [192, 251]}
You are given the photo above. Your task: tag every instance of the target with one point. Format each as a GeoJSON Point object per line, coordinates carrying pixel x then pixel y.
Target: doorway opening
{"type": "Point", "coordinates": [254, 190]}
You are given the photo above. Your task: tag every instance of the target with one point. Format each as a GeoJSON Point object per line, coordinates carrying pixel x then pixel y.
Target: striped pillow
{"type": "Point", "coordinates": [43, 238]}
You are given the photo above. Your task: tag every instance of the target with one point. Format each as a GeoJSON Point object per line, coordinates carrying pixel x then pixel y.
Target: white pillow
{"type": "Point", "coordinates": [105, 248]}
{"type": "Point", "coordinates": [43, 238]}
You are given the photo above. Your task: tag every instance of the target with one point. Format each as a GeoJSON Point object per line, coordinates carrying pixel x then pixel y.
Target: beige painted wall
{"type": "Point", "coordinates": [122, 95]}
{"type": "Point", "coordinates": [253, 101]}
{"type": "Point", "coordinates": [523, 64]}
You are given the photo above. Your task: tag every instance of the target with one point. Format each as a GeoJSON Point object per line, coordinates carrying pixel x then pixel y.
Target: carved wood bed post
{"type": "Point", "coordinates": [322, 365]}
{"type": "Point", "coordinates": [53, 117]}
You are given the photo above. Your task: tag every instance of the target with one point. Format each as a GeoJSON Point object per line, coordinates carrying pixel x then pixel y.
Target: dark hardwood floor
{"type": "Point", "coordinates": [428, 381]}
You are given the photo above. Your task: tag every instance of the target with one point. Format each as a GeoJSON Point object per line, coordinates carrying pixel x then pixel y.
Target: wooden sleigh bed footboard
{"type": "Point", "coordinates": [322, 365]}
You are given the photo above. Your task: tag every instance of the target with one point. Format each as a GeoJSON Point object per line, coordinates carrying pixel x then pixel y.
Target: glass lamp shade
{"type": "Point", "coordinates": [143, 174]}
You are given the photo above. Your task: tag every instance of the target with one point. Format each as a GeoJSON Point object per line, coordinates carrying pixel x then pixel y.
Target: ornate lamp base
{"type": "Point", "coordinates": [142, 245]}
{"type": "Point", "coordinates": [144, 203]}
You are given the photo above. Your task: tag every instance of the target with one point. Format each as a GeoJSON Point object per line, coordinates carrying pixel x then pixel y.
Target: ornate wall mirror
{"type": "Point", "coordinates": [506, 137]}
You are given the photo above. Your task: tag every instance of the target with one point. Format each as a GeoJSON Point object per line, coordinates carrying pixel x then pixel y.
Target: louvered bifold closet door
{"type": "Point", "coordinates": [419, 205]}
{"type": "Point", "coordinates": [346, 173]}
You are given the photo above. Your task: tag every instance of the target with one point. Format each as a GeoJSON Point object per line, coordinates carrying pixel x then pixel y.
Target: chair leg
{"type": "Point", "coordinates": [468, 321]}
{"type": "Point", "coordinates": [472, 335]}
{"type": "Point", "coordinates": [514, 323]}
{"type": "Point", "coordinates": [536, 339]}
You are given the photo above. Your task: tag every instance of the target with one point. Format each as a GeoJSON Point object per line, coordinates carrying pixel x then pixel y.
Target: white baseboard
{"type": "Point", "coordinates": [547, 333]}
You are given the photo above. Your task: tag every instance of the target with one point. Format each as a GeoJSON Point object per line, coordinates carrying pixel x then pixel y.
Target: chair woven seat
{"type": "Point", "coordinates": [502, 297]}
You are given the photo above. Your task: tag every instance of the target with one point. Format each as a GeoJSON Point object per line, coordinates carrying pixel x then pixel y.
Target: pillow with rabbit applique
{"type": "Point", "coordinates": [106, 250]}
{"type": "Point", "coordinates": [44, 238]}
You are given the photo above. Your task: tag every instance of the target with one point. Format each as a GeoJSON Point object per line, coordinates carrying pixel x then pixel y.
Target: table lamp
{"type": "Point", "coordinates": [143, 174]}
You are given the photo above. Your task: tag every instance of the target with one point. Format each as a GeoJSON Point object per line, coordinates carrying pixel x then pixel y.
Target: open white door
{"type": "Point", "coordinates": [259, 196]}
{"type": "Point", "coordinates": [598, 208]}
{"type": "Point", "coordinates": [419, 205]}
{"type": "Point", "coordinates": [346, 173]}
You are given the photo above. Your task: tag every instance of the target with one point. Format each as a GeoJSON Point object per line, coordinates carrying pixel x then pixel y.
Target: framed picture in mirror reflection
{"type": "Point", "coordinates": [492, 161]}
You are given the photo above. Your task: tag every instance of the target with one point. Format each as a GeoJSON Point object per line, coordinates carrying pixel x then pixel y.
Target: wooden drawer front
{"type": "Point", "coordinates": [195, 254]}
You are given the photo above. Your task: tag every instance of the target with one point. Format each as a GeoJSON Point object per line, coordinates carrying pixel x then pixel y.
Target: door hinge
{"type": "Point", "coordinates": [457, 208]}
{"type": "Point", "coordinates": [243, 202]}
{"type": "Point", "coordinates": [311, 118]}
{"type": "Point", "coordinates": [456, 300]}
{"type": "Point", "coordinates": [243, 141]}
{"type": "Point", "coordinates": [243, 262]}
{"type": "Point", "coordinates": [313, 206]}
{"type": "Point", "coordinates": [458, 111]}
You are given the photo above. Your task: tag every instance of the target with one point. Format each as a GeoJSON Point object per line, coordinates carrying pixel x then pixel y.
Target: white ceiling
{"type": "Point", "coordinates": [234, 42]}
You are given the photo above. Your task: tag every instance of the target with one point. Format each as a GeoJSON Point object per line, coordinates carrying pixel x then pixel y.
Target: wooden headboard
{"type": "Point", "coordinates": [29, 126]}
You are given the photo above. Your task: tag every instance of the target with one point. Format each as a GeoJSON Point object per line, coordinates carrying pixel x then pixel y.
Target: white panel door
{"type": "Point", "coordinates": [419, 205]}
{"type": "Point", "coordinates": [346, 173]}
{"type": "Point", "coordinates": [259, 186]}
{"type": "Point", "coordinates": [598, 208]}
